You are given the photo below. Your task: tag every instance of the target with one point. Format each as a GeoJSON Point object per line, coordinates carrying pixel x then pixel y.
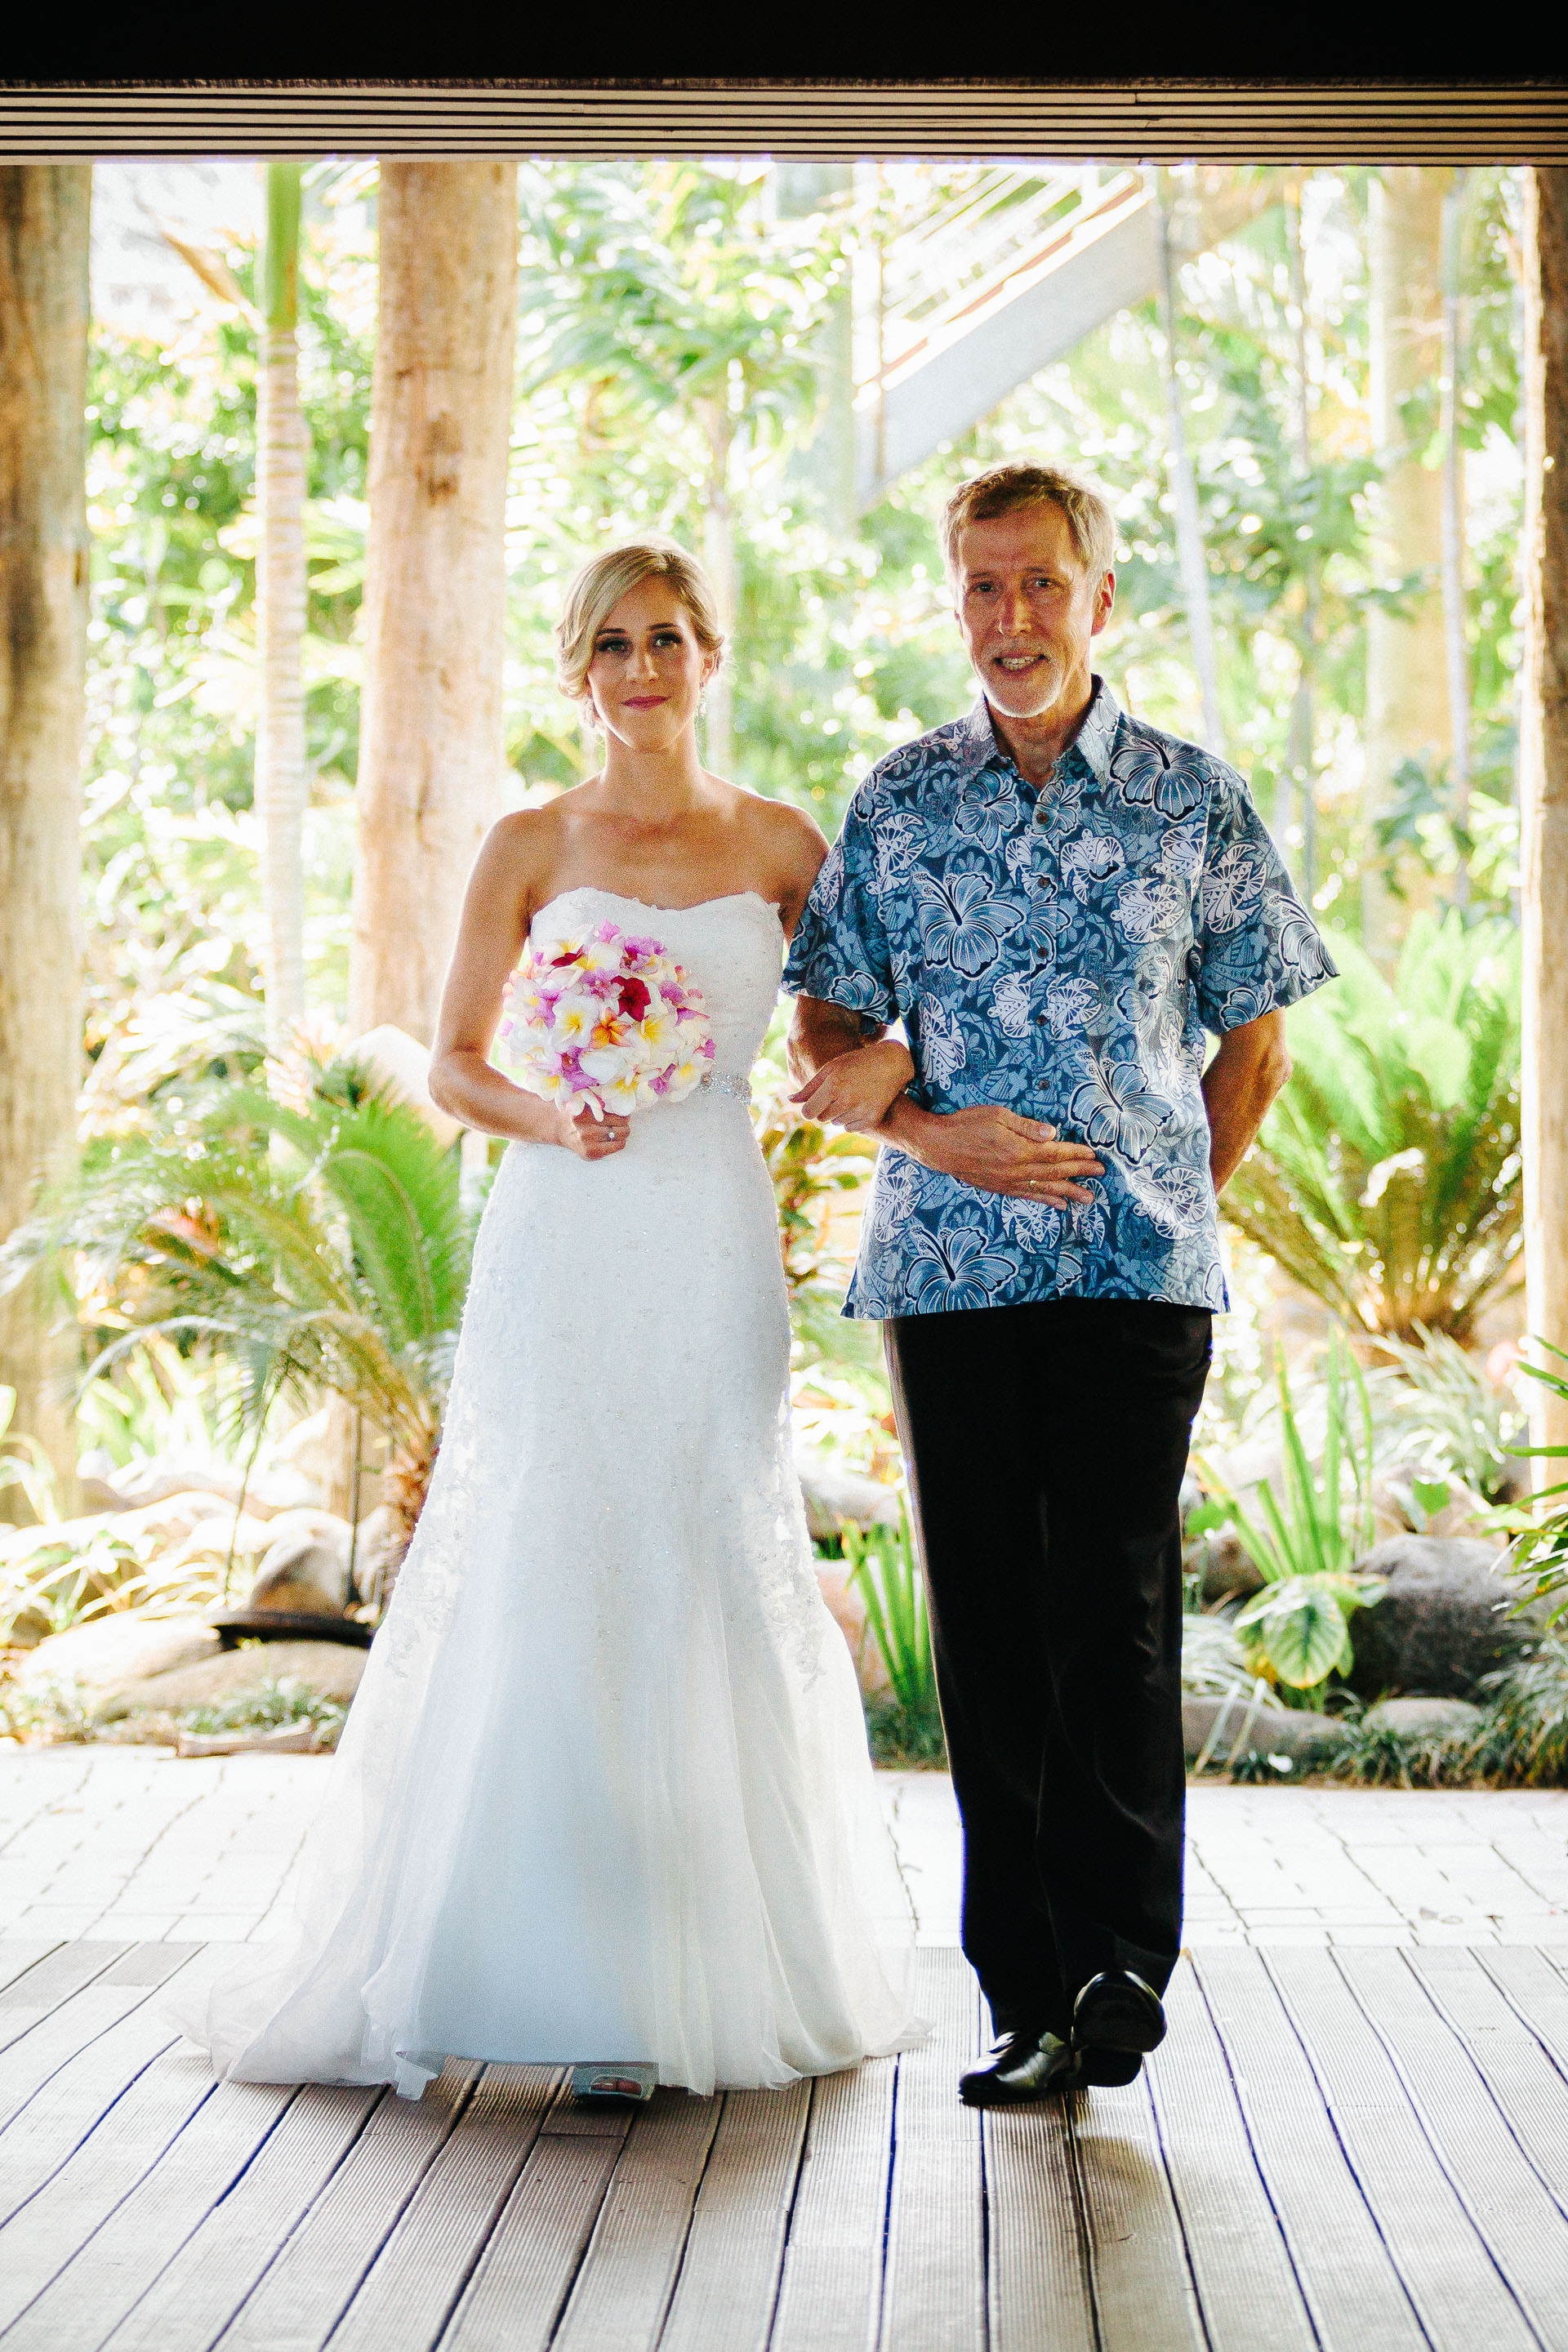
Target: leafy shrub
{"type": "Point", "coordinates": [1296, 1631]}
{"type": "Point", "coordinates": [1448, 1419]}
{"type": "Point", "coordinates": [884, 1569]}
{"type": "Point", "coordinates": [1387, 1179]}
{"type": "Point", "coordinates": [320, 1243]}
{"type": "Point", "coordinates": [273, 1707]}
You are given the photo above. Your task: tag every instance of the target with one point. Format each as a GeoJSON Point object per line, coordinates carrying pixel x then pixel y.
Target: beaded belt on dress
{"type": "Point", "coordinates": [720, 1082]}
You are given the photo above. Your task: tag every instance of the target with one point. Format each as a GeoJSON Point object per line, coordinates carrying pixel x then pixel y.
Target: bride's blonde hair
{"type": "Point", "coordinates": [598, 587]}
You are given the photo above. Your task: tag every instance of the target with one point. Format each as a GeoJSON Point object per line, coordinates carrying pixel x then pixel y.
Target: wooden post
{"type": "Point", "coordinates": [44, 212]}
{"type": "Point", "coordinates": [1406, 673]}
{"type": "Point", "coordinates": [280, 481]}
{"type": "Point", "coordinates": [1543, 783]}
{"type": "Point", "coordinates": [431, 742]}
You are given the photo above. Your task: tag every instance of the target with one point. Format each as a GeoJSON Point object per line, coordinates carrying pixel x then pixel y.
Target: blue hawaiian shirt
{"type": "Point", "coordinates": [1059, 954]}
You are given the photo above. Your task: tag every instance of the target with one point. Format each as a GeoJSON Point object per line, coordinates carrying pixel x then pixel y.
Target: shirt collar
{"type": "Point", "coordinates": [977, 746]}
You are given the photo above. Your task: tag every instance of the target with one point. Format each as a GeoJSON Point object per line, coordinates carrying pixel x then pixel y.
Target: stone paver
{"type": "Point", "coordinates": [138, 1844]}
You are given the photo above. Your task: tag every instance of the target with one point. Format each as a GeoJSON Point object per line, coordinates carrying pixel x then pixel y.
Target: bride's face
{"type": "Point", "coordinates": [649, 671]}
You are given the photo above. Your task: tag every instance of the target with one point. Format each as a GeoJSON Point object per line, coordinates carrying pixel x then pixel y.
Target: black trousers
{"type": "Point", "coordinates": [1045, 1446]}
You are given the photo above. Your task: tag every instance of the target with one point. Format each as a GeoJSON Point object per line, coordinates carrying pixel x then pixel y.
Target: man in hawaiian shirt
{"type": "Point", "coordinates": [1055, 900]}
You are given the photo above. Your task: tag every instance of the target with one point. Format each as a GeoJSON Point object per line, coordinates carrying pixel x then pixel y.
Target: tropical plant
{"type": "Point", "coordinates": [886, 1573]}
{"type": "Point", "coordinates": [1295, 1631]}
{"type": "Point", "coordinates": [1448, 1419]}
{"type": "Point", "coordinates": [316, 1245]}
{"type": "Point", "coordinates": [1538, 1553]}
{"type": "Point", "coordinates": [1387, 1179]}
{"type": "Point", "coordinates": [25, 1464]}
{"type": "Point", "coordinates": [809, 1167]}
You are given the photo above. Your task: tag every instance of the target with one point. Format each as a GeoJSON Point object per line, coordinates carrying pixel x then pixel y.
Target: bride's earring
{"type": "Point", "coordinates": [703, 704]}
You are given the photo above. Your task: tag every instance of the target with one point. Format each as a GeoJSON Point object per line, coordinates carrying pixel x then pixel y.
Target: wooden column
{"type": "Point", "coordinates": [1543, 781]}
{"type": "Point", "coordinates": [1406, 676]}
{"type": "Point", "coordinates": [44, 212]}
{"type": "Point", "coordinates": [431, 744]}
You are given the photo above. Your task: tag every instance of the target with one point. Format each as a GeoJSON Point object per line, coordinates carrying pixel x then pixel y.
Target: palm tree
{"type": "Point", "coordinates": [1387, 1179]}
{"type": "Point", "coordinates": [316, 1237]}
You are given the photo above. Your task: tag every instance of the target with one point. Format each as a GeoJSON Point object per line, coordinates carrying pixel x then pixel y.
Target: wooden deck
{"type": "Point", "coordinates": [1364, 2148]}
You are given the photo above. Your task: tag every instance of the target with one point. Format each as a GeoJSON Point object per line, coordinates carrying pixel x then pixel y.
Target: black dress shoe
{"type": "Point", "coordinates": [1118, 2012]}
{"type": "Point", "coordinates": [1108, 2070]}
{"type": "Point", "coordinates": [1025, 2064]}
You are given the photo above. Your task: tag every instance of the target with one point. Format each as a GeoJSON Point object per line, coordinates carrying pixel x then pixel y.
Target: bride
{"type": "Point", "coordinates": [605, 1795]}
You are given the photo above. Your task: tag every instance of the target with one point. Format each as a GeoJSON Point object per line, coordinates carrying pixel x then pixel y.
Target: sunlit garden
{"type": "Point", "coordinates": [245, 1276]}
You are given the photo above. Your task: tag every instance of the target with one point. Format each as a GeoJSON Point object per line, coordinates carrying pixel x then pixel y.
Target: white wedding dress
{"type": "Point", "coordinates": [604, 1791]}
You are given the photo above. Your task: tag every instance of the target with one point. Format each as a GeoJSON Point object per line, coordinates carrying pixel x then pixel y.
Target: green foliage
{"type": "Point", "coordinates": [1538, 1553]}
{"type": "Point", "coordinates": [1306, 1544]}
{"type": "Point", "coordinates": [1450, 1421]}
{"type": "Point", "coordinates": [1386, 1180]}
{"type": "Point", "coordinates": [274, 1706]}
{"type": "Point", "coordinates": [886, 1575]}
{"type": "Point", "coordinates": [321, 1243]}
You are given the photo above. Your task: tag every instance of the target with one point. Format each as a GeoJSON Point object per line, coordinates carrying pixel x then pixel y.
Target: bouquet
{"type": "Point", "coordinates": [604, 1022]}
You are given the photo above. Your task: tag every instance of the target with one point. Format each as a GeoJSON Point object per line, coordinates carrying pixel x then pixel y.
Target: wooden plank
{"type": "Point", "coordinates": [429, 2256]}
{"type": "Point", "coordinates": [934, 2298]}
{"type": "Point", "coordinates": [729, 2282]}
{"type": "Point", "coordinates": [43, 2134]}
{"type": "Point", "coordinates": [195, 2296]}
{"type": "Point", "coordinates": [80, 2198]}
{"type": "Point", "coordinates": [1246, 2285]}
{"type": "Point", "coordinates": [1038, 2264]}
{"type": "Point", "coordinates": [1520, 2076]}
{"type": "Point", "coordinates": [1535, 1990]}
{"type": "Point", "coordinates": [1350, 2284]}
{"type": "Point", "coordinates": [832, 2289]}
{"type": "Point", "coordinates": [1142, 2287]}
{"type": "Point", "coordinates": [1515, 2212]}
{"type": "Point", "coordinates": [525, 2273]}
{"type": "Point", "coordinates": [315, 2278]}
{"type": "Point", "coordinates": [17, 1957]}
{"type": "Point", "coordinates": [71, 2030]}
{"type": "Point", "coordinates": [91, 2292]}
{"type": "Point", "coordinates": [1458, 2295]}
{"type": "Point", "coordinates": [624, 2287]}
{"type": "Point", "coordinates": [43, 1987]}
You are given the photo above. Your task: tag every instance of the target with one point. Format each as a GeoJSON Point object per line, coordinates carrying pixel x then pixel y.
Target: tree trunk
{"type": "Point", "coordinates": [281, 609]}
{"type": "Point", "coordinates": [1543, 786]}
{"type": "Point", "coordinates": [1456, 636]}
{"type": "Point", "coordinates": [1406, 681]}
{"type": "Point", "coordinates": [1190, 553]}
{"type": "Point", "coordinates": [432, 746]}
{"type": "Point", "coordinates": [1300, 750]}
{"type": "Point", "coordinates": [44, 212]}
{"type": "Point", "coordinates": [719, 558]}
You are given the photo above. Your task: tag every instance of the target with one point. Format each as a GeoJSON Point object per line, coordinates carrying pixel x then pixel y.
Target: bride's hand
{"type": "Point", "coordinates": [858, 1090]}
{"type": "Point", "coordinates": [590, 1138]}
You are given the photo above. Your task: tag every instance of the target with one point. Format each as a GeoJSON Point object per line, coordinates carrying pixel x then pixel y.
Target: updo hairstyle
{"type": "Point", "coordinates": [598, 587]}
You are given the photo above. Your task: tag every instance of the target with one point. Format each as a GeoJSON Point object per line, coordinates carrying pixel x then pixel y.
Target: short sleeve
{"type": "Point", "coordinates": [1258, 947]}
{"type": "Point", "coordinates": [840, 953]}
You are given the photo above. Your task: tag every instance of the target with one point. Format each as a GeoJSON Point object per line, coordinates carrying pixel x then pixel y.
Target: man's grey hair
{"type": "Point", "coordinates": [1007, 489]}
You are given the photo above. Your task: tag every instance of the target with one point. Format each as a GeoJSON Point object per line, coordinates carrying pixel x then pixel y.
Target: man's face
{"type": "Point", "coordinates": [1028, 610]}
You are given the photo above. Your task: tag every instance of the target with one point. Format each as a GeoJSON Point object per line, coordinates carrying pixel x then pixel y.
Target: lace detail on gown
{"type": "Point", "coordinates": [605, 1790]}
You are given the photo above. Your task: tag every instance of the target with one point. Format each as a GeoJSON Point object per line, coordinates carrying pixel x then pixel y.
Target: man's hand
{"type": "Point", "coordinates": [996, 1150]}
{"type": "Point", "coordinates": [857, 1090]}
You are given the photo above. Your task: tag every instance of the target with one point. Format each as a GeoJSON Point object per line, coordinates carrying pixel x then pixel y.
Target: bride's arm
{"type": "Point", "coordinates": [489, 940]}
{"type": "Point", "coordinates": [848, 1078]}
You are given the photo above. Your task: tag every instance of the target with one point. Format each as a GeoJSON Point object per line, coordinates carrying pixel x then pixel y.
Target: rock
{"type": "Point", "coordinates": [221, 1534]}
{"type": "Point", "coordinates": [835, 1496]}
{"type": "Point", "coordinates": [114, 1655]}
{"type": "Point", "coordinates": [288, 1739]}
{"type": "Point", "coordinates": [1265, 1730]}
{"type": "Point", "coordinates": [306, 1566]}
{"type": "Point", "coordinates": [1442, 1622]}
{"type": "Point", "coordinates": [379, 1546]}
{"type": "Point", "coordinates": [1228, 1571]}
{"type": "Point", "coordinates": [329, 1668]}
{"type": "Point", "coordinates": [156, 1480]}
{"type": "Point", "coordinates": [1424, 1718]}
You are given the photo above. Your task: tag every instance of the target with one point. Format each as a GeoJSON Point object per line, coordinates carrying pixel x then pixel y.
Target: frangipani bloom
{"type": "Point", "coordinates": [603, 1023]}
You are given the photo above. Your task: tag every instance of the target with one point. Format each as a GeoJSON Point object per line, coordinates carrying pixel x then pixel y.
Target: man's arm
{"type": "Point", "coordinates": [986, 1146]}
{"type": "Point", "coordinates": [1242, 1080]}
